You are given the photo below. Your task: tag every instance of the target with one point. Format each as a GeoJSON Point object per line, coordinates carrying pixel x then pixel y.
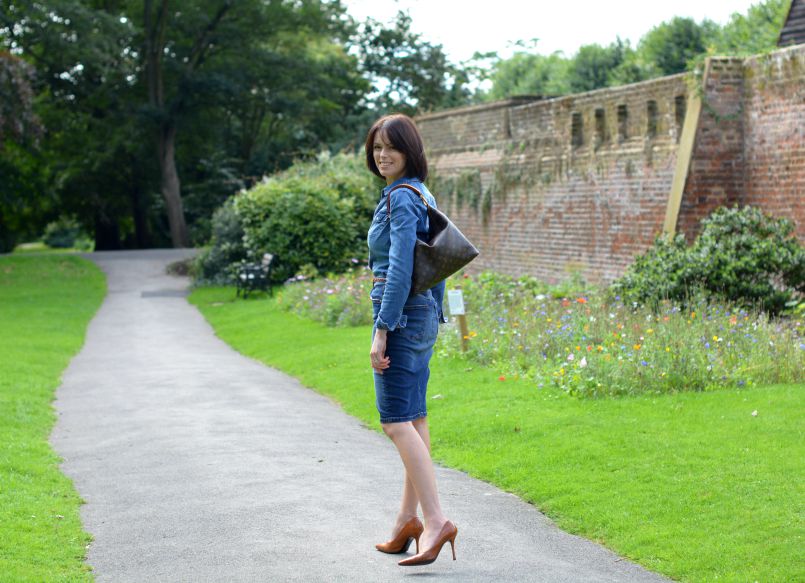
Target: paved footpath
{"type": "Point", "coordinates": [198, 464]}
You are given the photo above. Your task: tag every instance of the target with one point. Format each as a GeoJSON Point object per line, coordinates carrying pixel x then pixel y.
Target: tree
{"type": "Point", "coordinates": [408, 74]}
{"type": "Point", "coordinates": [670, 46]}
{"type": "Point", "coordinates": [135, 95]}
{"type": "Point", "coordinates": [755, 32]}
{"type": "Point", "coordinates": [593, 66]}
{"type": "Point", "coordinates": [20, 130]}
{"type": "Point", "coordinates": [529, 74]}
{"type": "Point", "coordinates": [17, 118]}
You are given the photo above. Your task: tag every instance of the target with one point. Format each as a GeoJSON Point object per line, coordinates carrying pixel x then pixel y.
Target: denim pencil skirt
{"type": "Point", "coordinates": [401, 390]}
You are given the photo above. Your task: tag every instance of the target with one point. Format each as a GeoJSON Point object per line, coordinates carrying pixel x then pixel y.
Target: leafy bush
{"type": "Point", "coordinates": [215, 264]}
{"type": "Point", "coordinates": [741, 256]}
{"type": "Point", "coordinates": [315, 214]}
{"type": "Point", "coordinates": [65, 233]}
{"type": "Point", "coordinates": [750, 257]}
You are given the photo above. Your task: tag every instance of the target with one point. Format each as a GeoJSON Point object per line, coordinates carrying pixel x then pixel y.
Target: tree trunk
{"type": "Point", "coordinates": [155, 25]}
{"type": "Point", "coordinates": [171, 187]}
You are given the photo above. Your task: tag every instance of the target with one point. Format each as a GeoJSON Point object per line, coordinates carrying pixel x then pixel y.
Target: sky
{"type": "Point", "coordinates": [464, 27]}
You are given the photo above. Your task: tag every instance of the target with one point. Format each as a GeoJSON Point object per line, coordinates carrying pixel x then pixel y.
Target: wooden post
{"type": "Point", "coordinates": [462, 325]}
{"type": "Point", "coordinates": [457, 309]}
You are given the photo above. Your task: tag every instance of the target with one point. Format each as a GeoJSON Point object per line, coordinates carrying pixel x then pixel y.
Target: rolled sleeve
{"type": "Point", "coordinates": [404, 218]}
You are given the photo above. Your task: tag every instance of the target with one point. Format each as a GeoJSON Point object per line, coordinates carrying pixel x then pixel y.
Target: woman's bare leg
{"type": "Point", "coordinates": [409, 502]}
{"type": "Point", "coordinates": [419, 470]}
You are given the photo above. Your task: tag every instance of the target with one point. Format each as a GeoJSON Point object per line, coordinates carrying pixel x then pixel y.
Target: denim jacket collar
{"type": "Point", "coordinates": [402, 180]}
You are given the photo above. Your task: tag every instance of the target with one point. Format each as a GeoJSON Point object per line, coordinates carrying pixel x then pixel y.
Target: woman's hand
{"type": "Point", "coordinates": [378, 354]}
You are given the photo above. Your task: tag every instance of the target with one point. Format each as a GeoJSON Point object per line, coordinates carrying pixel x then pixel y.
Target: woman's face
{"type": "Point", "coordinates": [388, 159]}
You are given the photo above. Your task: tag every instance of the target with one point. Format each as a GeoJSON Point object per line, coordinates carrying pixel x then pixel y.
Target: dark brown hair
{"type": "Point", "coordinates": [402, 133]}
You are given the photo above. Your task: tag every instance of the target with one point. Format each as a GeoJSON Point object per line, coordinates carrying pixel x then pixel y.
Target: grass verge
{"type": "Point", "coordinates": [692, 485]}
{"type": "Point", "coordinates": [46, 303]}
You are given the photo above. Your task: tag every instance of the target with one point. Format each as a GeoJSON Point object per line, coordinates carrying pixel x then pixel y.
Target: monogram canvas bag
{"type": "Point", "coordinates": [446, 251]}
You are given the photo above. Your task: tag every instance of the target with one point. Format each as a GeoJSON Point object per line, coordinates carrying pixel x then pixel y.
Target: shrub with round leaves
{"type": "Point", "coordinates": [741, 255]}
{"type": "Point", "coordinates": [300, 224]}
{"type": "Point", "coordinates": [312, 217]}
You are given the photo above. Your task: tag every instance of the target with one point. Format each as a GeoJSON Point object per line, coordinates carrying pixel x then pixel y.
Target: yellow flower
{"type": "Point", "coordinates": [600, 348]}
{"type": "Point", "coordinates": [548, 320]}
{"type": "Point", "coordinates": [637, 346]}
{"type": "Point", "coordinates": [650, 331]}
{"type": "Point", "coordinates": [667, 349]}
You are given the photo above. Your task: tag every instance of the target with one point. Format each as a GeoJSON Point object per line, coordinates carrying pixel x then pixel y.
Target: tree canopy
{"type": "Point", "coordinates": [140, 117]}
{"type": "Point", "coordinates": [671, 47]}
{"type": "Point", "coordinates": [152, 112]}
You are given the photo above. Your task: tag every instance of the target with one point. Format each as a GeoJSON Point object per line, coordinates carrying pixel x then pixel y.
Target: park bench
{"type": "Point", "coordinates": [254, 276]}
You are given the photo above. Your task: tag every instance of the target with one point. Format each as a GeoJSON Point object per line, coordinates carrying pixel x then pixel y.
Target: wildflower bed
{"type": "Point", "coordinates": [586, 342]}
{"type": "Point", "coordinates": [700, 486]}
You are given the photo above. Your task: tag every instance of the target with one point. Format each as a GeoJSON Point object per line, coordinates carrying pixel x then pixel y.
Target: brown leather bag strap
{"type": "Point", "coordinates": [415, 189]}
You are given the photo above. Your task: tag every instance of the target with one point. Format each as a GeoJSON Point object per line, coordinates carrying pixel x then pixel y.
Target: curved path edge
{"type": "Point", "coordinates": [199, 464]}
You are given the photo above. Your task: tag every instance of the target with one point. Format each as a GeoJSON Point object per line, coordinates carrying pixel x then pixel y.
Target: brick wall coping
{"type": "Point", "coordinates": [511, 101]}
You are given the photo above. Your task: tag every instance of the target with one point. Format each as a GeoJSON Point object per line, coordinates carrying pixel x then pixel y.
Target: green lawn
{"type": "Point", "coordinates": [46, 303]}
{"type": "Point", "coordinates": [691, 485]}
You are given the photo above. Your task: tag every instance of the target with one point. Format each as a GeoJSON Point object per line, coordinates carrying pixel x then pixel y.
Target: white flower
{"type": "Point", "coordinates": [754, 413]}
{"type": "Point", "coordinates": [570, 357]}
{"type": "Point", "coordinates": [583, 362]}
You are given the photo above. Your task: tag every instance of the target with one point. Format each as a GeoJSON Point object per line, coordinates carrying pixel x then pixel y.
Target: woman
{"type": "Point", "coordinates": [404, 332]}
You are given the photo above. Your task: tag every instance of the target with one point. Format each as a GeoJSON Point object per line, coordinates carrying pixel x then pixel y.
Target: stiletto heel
{"type": "Point", "coordinates": [411, 530]}
{"type": "Point", "coordinates": [448, 533]}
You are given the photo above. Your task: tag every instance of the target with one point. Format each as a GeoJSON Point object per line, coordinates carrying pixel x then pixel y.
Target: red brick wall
{"type": "Point", "coordinates": [510, 176]}
{"type": "Point", "coordinates": [774, 134]}
{"type": "Point", "coordinates": [561, 208]}
{"type": "Point", "coordinates": [716, 175]}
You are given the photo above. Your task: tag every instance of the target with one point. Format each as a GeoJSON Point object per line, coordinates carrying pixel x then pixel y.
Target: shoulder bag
{"type": "Point", "coordinates": [446, 251]}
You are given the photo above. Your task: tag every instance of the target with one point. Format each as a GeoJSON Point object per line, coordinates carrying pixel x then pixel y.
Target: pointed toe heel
{"type": "Point", "coordinates": [411, 531]}
{"type": "Point", "coordinates": [447, 534]}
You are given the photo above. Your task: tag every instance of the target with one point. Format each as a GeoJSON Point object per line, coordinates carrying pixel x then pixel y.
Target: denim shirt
{"type": "Point", "coordinates": [391, 250]}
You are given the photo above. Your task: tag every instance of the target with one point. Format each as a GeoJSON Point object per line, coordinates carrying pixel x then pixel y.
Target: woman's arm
{"type": "Point", "coordinates": [405, 213]}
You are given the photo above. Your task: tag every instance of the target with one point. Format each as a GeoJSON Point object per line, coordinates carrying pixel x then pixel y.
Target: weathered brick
{"type": "Point", "coordinates": [556, 207]}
